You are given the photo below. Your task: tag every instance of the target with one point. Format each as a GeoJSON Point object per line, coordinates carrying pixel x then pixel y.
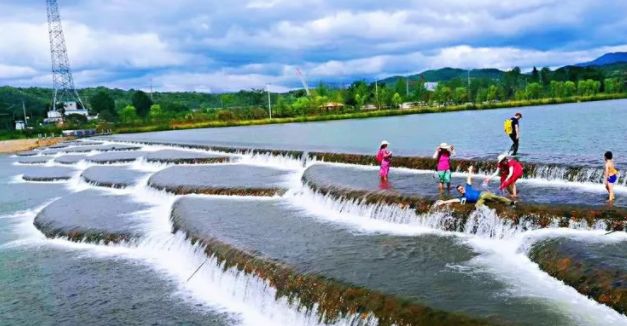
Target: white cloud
{"type": "Point", "coordinates": [189, 44]}
{"type": "Point", "coordinates": [27, 44]}
{"type": "Point", "coordinates": [11, 72]}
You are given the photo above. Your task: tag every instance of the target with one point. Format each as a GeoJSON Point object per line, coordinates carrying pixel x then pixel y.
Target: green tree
{"type": "Point", "coordinates": [397, 100]}
{"type": "Point", "coordinates": [142, 104]}
{"type": "Point", "coordinates": [493, 93]}
{"type": "Point", "coordinates": [520, 95]}
{"type": "Point", "coordinates": [533, 90]}
{"type": "Point", "coordinates": [482, 95]}
{"type": "Point", "coordinates": [321, 90]}
{"type": "Point", "coordinates": [509, 84]}
{"type": "Point", "coordinates": [442, 94]}
{"type": "Point", "coordinates": [400, 86]}
{"type": "Point", "coordinates": [556, 89]}
{"type": "Point", "coordinates": [588, 87]}
{"type": "Point", "coordinates": [227, 100]}
{"type": "Point", "coordinates": [545, 76]}
{"type": "Point", "coordinates": [569, 88]}
{"type": "Point", "coordinates": [103, 105]}
{"type": "Point", "coordinates": [360, 100]}
{"type": "Point", "coordinates": [302, 105]}
{"type": "Point", "coordinates": [226, 115]}
{"type": "Point", "coordinates": [128, 114]}
{"type": "Point", "coordinates": [74, 120]}
{"type": "Point", "coordinates": [461, 95]}
{"type": "Point", "coordinates": [357, 94]}
{"type": "Point", "coordinates": [156, 113]}
{"type": "Point", "coordinates": [535, 75]}
{"type": "Point", "coordinates": [613, 85]}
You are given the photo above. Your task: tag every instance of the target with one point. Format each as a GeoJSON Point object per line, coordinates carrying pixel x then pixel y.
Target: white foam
{"type": "Point", "coordinates": [502, 247]}
{"type": "Point", "coordinates": [506, 260]}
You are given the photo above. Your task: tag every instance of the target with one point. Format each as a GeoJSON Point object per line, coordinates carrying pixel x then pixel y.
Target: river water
{"type": "Point", "coordinates": [257, 203]}
{"type": "Point", "coordinates": [577, 133]}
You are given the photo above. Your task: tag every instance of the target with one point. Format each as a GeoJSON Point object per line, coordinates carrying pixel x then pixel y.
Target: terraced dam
{"type": "Point", "coordinates": [129, 232]}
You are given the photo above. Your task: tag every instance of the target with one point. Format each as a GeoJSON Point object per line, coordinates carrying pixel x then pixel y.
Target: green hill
{"type": "Point", "coordinates": [446, 74]}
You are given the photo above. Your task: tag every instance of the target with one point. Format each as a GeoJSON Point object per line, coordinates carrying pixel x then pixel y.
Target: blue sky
{"type": "Point", "coordinates": [215, 46]}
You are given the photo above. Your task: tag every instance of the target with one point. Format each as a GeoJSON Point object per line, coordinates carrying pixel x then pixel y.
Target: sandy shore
{"type": "Point", "coordinates": [19, 145]}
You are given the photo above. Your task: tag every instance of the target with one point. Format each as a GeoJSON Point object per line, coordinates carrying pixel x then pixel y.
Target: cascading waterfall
{"type": "Point", "coordinates": [254, 300]}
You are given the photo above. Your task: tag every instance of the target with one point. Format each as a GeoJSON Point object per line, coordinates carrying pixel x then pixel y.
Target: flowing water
{"type": "Point", "coordinates": [482, 271]}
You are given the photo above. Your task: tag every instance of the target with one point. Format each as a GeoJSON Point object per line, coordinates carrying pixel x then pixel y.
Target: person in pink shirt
{"type": "Point", "coordinates": [442, 156]}
{"type": "Point", "coordinates": [384, 157]}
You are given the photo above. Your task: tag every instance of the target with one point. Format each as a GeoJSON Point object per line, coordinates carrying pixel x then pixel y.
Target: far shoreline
{"type": "Point", "coordinates": [182, 125]}
{"type": "Point", "coordinates": [13, 146]}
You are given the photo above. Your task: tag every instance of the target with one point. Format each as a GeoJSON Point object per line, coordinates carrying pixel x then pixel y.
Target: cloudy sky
{"type": "Point", "coordinates": [241, 44]}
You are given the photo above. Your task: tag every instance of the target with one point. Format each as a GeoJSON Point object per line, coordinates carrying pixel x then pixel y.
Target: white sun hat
{"type": "Point", "coordinates": [385, 142]}
{"type": "Point", "coordinates": [502, 157]}
{"type": "Point", "coordinates": [445, 146]}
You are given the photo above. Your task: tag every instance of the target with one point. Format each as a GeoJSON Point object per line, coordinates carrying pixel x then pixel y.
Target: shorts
{"type": "Point", "coordinates": [612, 178]}
{"type": "Point", "coordinates": [444, 176]}
{"type": "Point", "coordinates": [506, 183]}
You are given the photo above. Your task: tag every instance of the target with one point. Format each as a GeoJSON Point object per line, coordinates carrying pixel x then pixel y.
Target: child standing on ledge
{"type": "Point", "coordinates": [610, 175]}
{"type": "Point", "coordinates": [383, 158]}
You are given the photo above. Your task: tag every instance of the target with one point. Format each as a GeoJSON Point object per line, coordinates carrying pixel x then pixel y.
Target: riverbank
{"type": "Point", "coordinates": [178, 125]}
{"type": "Point", "coordinates": [20, 145]}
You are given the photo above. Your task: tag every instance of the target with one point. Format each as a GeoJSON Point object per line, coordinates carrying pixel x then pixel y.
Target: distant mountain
{"type": "Point", "coordinates": [445, 74]}
{"type": "Point", "coordinates": [606, 59]}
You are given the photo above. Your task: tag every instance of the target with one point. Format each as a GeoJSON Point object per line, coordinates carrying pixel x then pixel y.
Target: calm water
{"type": "Point", "coordinates": [577, 133]}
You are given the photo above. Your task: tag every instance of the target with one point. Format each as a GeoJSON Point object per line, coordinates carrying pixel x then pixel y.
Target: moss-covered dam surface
{"type": "Point", "coordinates": [291, 241]}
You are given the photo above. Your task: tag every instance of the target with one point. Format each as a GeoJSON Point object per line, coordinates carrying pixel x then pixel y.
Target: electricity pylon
{"type": "Point", "coordinates": [62, 80]}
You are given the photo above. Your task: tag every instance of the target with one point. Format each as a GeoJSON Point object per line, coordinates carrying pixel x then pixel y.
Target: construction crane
{"type": "Point", "coordinates": [302, 80]}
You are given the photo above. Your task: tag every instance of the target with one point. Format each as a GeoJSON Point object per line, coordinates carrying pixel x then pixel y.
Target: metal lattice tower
{"type": "Point", "coordinates": [62, 80]}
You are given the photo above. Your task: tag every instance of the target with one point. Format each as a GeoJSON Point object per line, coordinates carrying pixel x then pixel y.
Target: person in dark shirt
{"type": "Point", "coordinates": [470, 195]}
{"type": "Point", "coordinates": [515, 135]}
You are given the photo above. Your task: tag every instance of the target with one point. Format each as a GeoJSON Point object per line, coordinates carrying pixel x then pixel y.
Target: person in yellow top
{"type": "Point", "coordinates": [610, 175]}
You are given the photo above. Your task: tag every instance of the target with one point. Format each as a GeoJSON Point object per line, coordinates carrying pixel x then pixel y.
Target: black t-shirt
{"type": "Point", "coordinates": [514, 124]}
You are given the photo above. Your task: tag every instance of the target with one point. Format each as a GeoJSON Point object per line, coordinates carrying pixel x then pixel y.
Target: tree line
{"type": "Point", "coordinates": [135, 107]}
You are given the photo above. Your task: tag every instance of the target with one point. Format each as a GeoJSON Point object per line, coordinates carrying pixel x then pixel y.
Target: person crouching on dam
{"type": "Point", "coordinates": [510, 170]}
{"type": "Point", "coordinates": [472, 196]}
{"type": "Point", "coordinates": [442, 156]}
{"type": "Point", "coordinates": [384, 157]}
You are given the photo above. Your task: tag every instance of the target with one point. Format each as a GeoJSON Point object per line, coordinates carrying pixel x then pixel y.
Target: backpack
{"type": "Point", "coordinates": [508, 127]}
{"type": "Point", "coordinates": [379, 157]}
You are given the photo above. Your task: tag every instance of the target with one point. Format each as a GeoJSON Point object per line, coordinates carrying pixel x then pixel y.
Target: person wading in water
{"type": "Point", "coordinates": [512, 129]}
{"type": "Point", "coordinates": [510, 170]}
{"type": "Point", "coordinates": [610, 175]}
{"type": "Point", "coordinates": [442, 156]}
{"type": "Point", "coordinates": [384, 157]}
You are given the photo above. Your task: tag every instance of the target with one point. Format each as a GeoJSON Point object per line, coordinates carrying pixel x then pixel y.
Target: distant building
{"type": "Point", "coordinates": [409, 105]}
{"type": "Point", "coordinates": [68, 108]}
{"type": "Point", "coordinates": [20, 125]}
{"type": "Point", "coordinates": [53, 117]}
{"type": "Point", "coordinates": [430, 86]}
{"type": "Point", "coordinates": [332, 106]}
{"type": "Point", "coordinates": [72, 108]}
{"type": "Point", "coordinates": [369, 107]}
